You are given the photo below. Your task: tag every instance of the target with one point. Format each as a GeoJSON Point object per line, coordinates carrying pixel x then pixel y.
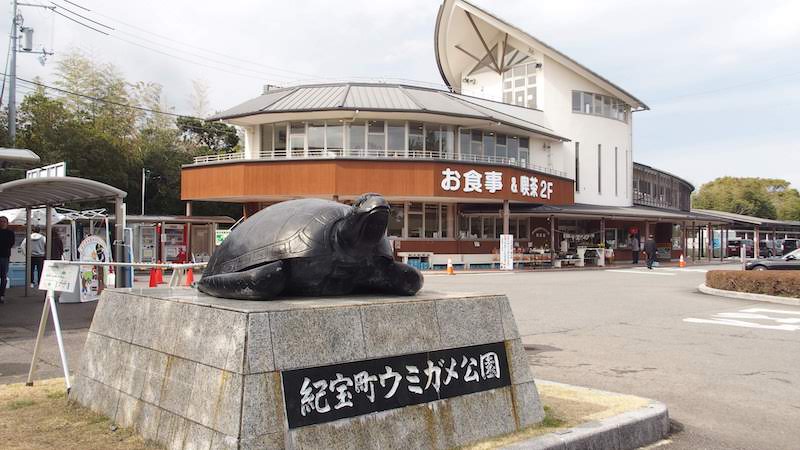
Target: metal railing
{"type": "Point", "coordinates": [378, 154]}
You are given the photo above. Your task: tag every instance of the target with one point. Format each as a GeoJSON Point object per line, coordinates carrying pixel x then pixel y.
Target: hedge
{"type": "Point", "coordinates": [783, 283]}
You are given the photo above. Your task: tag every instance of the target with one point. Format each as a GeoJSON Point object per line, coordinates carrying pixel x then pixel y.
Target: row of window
{"type": "Point", "coordinates": [599, 105]}
{"type": "Point", "coordinates": [429, 220]}
{"type": "Point", "coordinates": [390, 139]}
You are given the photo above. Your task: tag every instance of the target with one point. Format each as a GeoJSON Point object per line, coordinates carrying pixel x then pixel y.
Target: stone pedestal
{"type": "Point", "coordinates": [192, 371]}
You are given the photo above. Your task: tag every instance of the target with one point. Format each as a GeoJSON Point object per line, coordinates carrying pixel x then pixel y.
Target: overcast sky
{"type": "Point", "coordinates": [722, 77]}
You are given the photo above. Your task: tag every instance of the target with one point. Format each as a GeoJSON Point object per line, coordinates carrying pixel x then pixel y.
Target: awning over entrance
{"type": "Point", "coordinates": [35, 192]}
{"type": "Point", "coordinates": [749, 222]}
{"type": "Point", "coordinates": [56, 191]}
{"type": "Point", "coordinates": [583, 211]}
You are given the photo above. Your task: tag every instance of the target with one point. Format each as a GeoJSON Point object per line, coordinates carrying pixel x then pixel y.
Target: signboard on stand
{"type": "Point", "coordinates": [58, 277]}
{"type": "Point", "coordinates": [506, 252]}
{"type": "Point", "coordinates": [93, 248]}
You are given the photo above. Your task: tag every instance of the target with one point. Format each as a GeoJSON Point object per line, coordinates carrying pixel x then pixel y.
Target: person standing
{"type": "Point", "coordinates": [6, 244]}
{"type": "Point", "coordinates": [636, 247]}
{"type": "Point", "coordinates": [38, 252]}
{"type": "Point", "coordinates": [650, 249]}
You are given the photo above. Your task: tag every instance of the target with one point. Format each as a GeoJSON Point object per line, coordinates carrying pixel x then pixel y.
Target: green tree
{"type": "Point", "coordinates": [208, 137]}
{"type": "Point", "coordinates": [762, 197]}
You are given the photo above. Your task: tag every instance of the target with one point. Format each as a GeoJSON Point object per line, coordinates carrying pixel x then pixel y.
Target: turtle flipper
{"type": "Point", "coordinates": [260, 283]}
{"type": "Point", "coordinates": [391, 277]}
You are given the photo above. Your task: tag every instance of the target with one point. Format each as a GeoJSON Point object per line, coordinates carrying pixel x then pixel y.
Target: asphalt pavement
{"type": "Point", "coordinates": [727, 369]}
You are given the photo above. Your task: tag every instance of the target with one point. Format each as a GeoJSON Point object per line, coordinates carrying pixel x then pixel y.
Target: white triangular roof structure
{"type": "Point", "coordinates": [470, 38]}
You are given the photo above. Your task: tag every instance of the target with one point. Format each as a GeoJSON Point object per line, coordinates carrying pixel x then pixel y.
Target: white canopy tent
{"type": "Point", "coordinates": [18, 216]}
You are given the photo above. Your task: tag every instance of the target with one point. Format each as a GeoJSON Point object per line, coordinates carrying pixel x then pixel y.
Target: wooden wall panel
{"type": "Point", "coordinates": [260, 180]}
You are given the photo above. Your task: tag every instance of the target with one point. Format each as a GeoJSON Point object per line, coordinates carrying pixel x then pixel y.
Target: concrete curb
{"type": "Point", "coordinates": [748, 296]}
{"type": "Point", "coordinates": [629, 430]}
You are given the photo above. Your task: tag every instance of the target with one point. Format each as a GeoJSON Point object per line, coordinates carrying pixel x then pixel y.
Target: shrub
{"type": "Point", "coordinates": [783, 283]}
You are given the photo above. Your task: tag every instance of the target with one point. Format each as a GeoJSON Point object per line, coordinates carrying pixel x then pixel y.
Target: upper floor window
{"type": "Point", "coordinates": [599, 105]}
{"type": "Point", "coordinates": [519, 85]}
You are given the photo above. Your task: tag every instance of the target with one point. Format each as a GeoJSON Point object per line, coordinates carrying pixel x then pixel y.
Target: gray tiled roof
{"type": "Point", "coordinates": [385, 97]}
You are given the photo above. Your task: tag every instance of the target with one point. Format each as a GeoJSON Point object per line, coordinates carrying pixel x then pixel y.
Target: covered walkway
{"type": "Point", "coordinates": [57, 191]}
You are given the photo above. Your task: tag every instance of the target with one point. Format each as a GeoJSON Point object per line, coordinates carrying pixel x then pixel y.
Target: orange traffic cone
{"type": "Point", "coordinates": [450, 270]}
{"type": "Point", "coordinates": [189, 277]}
{"type": "Point", "coordinates": [159, 275]}
{"type": "Point", "coordinates": [682, 262]}
{"type": "Point", "coordinates": [153, 277]}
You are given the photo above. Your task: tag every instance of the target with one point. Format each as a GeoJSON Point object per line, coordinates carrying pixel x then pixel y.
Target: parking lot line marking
{"type": "Point", "coordinates": [766, 310]}
{"type": "Point", "coordinates": [675, 269]}
{"type": "Point", "coordinates": [642, 271]}
{"type": "Point", "coordinates": [743, 324]}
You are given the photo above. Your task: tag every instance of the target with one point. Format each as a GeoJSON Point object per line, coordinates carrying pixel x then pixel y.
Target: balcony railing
{"type": "Point", "coordinates": [378, 154]}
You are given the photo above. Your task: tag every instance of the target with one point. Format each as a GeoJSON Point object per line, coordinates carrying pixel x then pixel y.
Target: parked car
{"type": "Point", "coordinates": [786, 262]}
{"type": "Point", "coordinates": [735, 246]}
{"type": "Point", "coordinates": [769, 249]}
{"type": "Point", "coordinates": [790, 245]}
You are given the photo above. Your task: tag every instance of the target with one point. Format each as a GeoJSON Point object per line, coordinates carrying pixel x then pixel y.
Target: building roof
{"type": "Point", "coordinates": [385, 98]}
{"type": "Point", "coordinates": [18, 155]}
{"type": "Point", "coordinates": [470, 17]}
{"type": "Point", "coordinates": [663, 172]}
{"type": "Point", "coordinates": [580, 210]}
{"type": "Point", "coordinates": [35, 192]}
{"type": "Point", "coordinates": [748, 220]}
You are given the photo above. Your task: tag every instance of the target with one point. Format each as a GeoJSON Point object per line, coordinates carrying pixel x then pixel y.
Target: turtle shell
{"type": "Point", "coordinates": [291, 229]}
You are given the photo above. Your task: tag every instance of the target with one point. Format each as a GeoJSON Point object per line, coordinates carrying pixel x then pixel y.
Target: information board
{"type": "Point", "coordinates": [506, 252]}
{"type": "Point", "coordinates": [58, 277]}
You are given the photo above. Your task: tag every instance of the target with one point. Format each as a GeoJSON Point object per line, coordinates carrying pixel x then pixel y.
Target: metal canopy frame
{"type": "Point", "coordinates": [56, 191]}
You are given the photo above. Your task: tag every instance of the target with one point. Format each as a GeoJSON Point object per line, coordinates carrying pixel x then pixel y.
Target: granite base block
{"type": "Point", "coordinates": [191, 371]}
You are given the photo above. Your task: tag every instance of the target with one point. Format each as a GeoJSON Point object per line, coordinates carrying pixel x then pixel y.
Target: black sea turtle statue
{"type": "Point", "coordinates": [310, 247]}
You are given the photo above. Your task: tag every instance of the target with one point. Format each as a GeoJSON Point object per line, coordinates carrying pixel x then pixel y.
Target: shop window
{"type": "Point", "coordinates": [396, 136]}
{"type": "Point", "coordinates": [356, 139]}
{"type": "Point", "coordinates": [396, 218]}
{"type": "Point", "coordinates": [334, 138]}
{"type": "Point", "coordinates": [513, 150]}
{"type": "Point", "coordinates": [376, 140]}
{"type": "Point", "coordinates": [316, 138]}
{"type": "Point", "coordinates": [297, 139]}
{"type": "Point", "coordinates": [477, 145]}
{"type": "Point", "coordinates": [498, 227]}
{"type": "Point", "coordinates": [280, 139]}
{"type": "Point", "coordinates": [524, 154]}
{"type": "Point", "coordinates": [415, 221]}
{"type": "Point", "coordinates": [266, 141]}
{"type": "Point", "coordinates": [416, 138]}
{"type": "Point", "coordinates": [488, 228]}
{"type": "Point", "coordinates": [432, 221]}
{"type": "Point", "coordinates": [464, 144]}
{"type": "Point", "coordinates": [488, 145]}
{"type": "Point", "coordinates": [475, 227]}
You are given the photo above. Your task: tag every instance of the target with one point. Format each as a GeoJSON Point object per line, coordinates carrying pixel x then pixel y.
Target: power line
{"type": "Point", "coordinates": [81, 16]}
{"type": "Point", "coordinates": [79, 22]}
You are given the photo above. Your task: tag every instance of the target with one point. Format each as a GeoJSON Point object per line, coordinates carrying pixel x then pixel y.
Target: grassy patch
{"type": "Point", "coordinates": [41, 417]}
{"type": "Point", "coordinates": [550, 420]}
{"type": "Point", "coordinates": [17, 404]}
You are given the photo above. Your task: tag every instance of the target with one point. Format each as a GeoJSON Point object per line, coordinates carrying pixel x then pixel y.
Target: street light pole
{"type": "Point", "coordinates": [144, 182]}
{"type": "Point", "coordinates": [12, 87]}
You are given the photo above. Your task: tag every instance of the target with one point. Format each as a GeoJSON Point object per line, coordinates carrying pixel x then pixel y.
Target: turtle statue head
{"type": "Point", "coordinates": [310, 247]}
{"type": "Point", "coordinates": [365, 225]}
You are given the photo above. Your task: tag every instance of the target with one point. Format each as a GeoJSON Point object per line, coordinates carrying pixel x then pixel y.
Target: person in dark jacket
{"type": "Point", "coordinates": [6, 244]}
{"type": "Point", "coordinates": [650, 249]}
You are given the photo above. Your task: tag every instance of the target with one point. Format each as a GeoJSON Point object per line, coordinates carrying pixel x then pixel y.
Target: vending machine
{"type": "Point", "coordinates": [173, 242]}
{"type": "Point", "coordinates": [148, 244]}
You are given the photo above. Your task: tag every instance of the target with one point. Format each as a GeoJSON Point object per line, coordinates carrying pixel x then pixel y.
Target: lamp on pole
{"type": "Point", "coordinates": [145, 172]}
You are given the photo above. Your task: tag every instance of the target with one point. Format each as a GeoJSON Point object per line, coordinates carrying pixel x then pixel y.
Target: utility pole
{"type": "Point", "coordinates": [12, 87]}
{"type": "Point", "coordinates": [16, 24]}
